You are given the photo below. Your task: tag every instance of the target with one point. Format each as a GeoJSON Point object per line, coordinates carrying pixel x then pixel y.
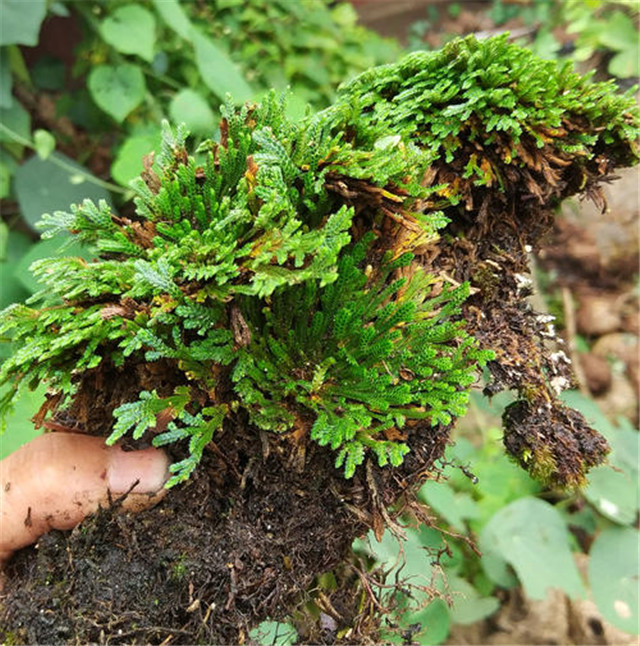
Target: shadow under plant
{"type": "Point", "coordinates": [303, 297]}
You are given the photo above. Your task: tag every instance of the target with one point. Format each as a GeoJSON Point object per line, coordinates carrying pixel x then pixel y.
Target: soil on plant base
{"type": "Point", "coordinates": [240, 542]}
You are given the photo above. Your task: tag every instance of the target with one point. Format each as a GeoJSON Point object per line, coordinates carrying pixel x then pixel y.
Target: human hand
{"type": "Point", "coordinates": [55, 480]}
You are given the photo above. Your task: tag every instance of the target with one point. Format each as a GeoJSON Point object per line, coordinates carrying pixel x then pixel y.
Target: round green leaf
{"type": "Point", "coordinates": [128, 162]}
{"type": "Point", "coordinates": [51, 248]}
{"type": "Point", "coordinates": [218, 71]}
{"type": "Point", "coordinates": [117, 89]}
{"type": "Point", "coordinates": [131, 30]}
{"type": "Point", "coordinates": [44, 186]}
{"type": "Point", "coordinates": [468, 606]}
{"type": "Point", "coordinates": [435, 620]}
{"type": "Point", "coordinates": [15, 121]}
{"type": "Point", "coordinates": [191, 108]}
{"type": "Point", "coordinates": [44, 142]}
{"type": "Point", "coordinates": [614, 494]}
{"type": "Point", "coordinates": [20, 21]}
{"type": "Point", "coordinates": [530, 535]}
{"type": "Point", "coordinates": [613, 576]}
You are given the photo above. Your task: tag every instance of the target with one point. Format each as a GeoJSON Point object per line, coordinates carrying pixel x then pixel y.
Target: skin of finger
{"type": "Point", "coordinates": [56, 480]}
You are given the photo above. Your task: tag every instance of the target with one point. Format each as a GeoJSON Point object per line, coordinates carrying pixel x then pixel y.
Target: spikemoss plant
{"type": "Point", "coordinates": [276, 277]}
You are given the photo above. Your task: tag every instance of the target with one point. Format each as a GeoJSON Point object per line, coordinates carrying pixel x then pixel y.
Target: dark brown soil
{"type": "Point", "coordinates": [240, 542]}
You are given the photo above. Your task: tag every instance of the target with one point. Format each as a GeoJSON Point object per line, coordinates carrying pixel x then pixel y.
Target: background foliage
{"type": "Point", "coordinates": [75, 123]}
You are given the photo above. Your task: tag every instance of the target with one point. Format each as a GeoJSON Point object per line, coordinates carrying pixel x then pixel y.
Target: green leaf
{"type": "Point", "coordinates": [13, 291]}
{"type": "Point", "coordinates": [174, 16]}
{"type": "Point", "coordinates": [218, 71]}
{"type": "Point", "coordinates": [4, 239]}
{"type": "Point", "coordinates": [614, 494]}
{"type": "Point", "coordinates": [626, 64]}
{"type": "Point", "coordinates": [131, 30]}
{"type": "Point", "coordinates": [117, 89]}
{"type": "Point", "coordinates": [44, 142]}
{"type": "Point", "coordinates": [454, 507]}
{"type": "Point", "coordinates": [274, 633]}
{"type": "Point", "coordinates": [43, 186]}
{"type": "Point", "coordinates": [18, 424]}
{"type": "Point", "coordinates": [435, 620]}
{"type": "Point", "coordinates": [613, 575]}
{"type": "Point", "coordinates": [14, 120]}
{"type": "Point", "coordinates": [14, 245]}
{"type": "Point", "coordinates": [193, 110]}
{"type": "Point", "coordinates": [44, 249]}
{"type": "Point", "coordinates": [6, 98]}
{"type": "Point", "coordinates": [468, 605]}
{"type": "Point", "coordinates": [620, 33]}
{"type": "Point", "coordinates": [530, 535]}
{"type": "Point", "coordinates": [128, 162]}
{"type": "Point", "coordinates": [5, 181]}
{"type": "Point", "coordinates": [20, 21]}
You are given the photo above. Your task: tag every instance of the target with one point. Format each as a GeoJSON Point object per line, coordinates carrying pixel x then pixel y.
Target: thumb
{"type": "Point", "coordinates": [54, 481]}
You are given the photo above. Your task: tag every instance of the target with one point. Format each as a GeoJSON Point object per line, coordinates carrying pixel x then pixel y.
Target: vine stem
{"type": "Point", "coordinates": [61, 163]}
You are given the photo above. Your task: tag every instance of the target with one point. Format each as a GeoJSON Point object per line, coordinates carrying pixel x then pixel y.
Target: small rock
{"type": "Point", "coordinates": [620, 400]}
{"type": "Point", "coordinates": [597, 372]}
{"type": "Point", "coordinates": [622, 347]}
{"type": "Point", "coordinates": [598, 314]}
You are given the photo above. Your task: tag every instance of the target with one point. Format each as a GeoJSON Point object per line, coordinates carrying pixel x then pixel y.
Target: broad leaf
{"type": "Point", "coordinates": [117, 89]}
{"type": "Point", "coordinates": [614, 493]}
{"type": "Point", "coordinates": [174, 16]}
{"type": "Point", "coordinates": [274, 633]}
{"type": "Point", "coordinates": [58, 246]}
{"type": "Point", "coordinates": [468, 605]}
{"type": "Point", "coordinates": [131, 30]}
{"type": "Point", "coordinates": [20, 21]}
{"type": "Point", "coordinates": [15, 245]}
{"type": "Point", "coordinates": [613, 575]}
{"type": "Point", "coordinates": [454, 507]}
{"type": "Point", "coordinates": [44, 186]}
{"type": "Point", "coordinates": [19, 428]}
{"type": "Point", "coordinates": [218, 71]}
{"type": "Point", "coordinates": [530, 535]}
{"type": "Point", "coordinates": [17, 120]}
{"type": "Point", "coordinates": [193, 110]}
{"type": "Point", "coordinates": [128, 162]}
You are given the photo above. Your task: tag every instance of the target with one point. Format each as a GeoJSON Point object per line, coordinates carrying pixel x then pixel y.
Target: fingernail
{"type": "Point", "coordinates": [149, 467]}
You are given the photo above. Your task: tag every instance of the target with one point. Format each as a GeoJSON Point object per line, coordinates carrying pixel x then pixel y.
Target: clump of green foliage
{"type": "Point", "coordinates": [245, 262]}
{"type": "Point", "coordinates": [606, 27]}
{"type": "Point", "coordinates": [492, 96]}
{"type": "Point", "coordinates": [259, 281]}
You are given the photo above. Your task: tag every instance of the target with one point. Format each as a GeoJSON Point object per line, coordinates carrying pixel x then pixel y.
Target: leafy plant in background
{"type": "Point", "coordinates": [151, 60]}
{"type": "Point", "coordinates": [609, 27]}
{"type": "Point", "coordinates": [524, 539]}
